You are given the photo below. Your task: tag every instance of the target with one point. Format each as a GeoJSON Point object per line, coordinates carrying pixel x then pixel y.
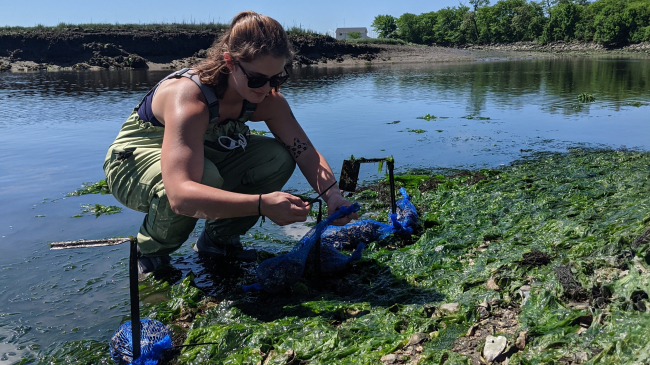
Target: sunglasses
{"type": "Point", "coordinates": [258, 81]}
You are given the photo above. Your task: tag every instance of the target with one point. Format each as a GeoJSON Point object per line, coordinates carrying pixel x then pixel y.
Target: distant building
{"type": "Point", "coordinates": [342, 33]}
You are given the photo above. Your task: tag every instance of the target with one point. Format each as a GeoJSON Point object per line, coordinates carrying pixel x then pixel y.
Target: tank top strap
{"type": "Point", "coordinates": [247, 110]}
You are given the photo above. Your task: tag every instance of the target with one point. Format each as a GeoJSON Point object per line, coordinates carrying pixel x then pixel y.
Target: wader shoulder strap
{"type": "Point", "coordinates": [208, 93]}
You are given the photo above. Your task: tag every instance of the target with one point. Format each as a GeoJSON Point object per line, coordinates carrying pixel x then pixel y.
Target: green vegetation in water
{"type": "Point", "coordinates": [418, 131]}
{"type": "Point", "coordinates": [477, 117]}
{"type": "Point", "coordinates": [259, 133]}
{"type": "Point", "coordinates": [586, 98]}
{"type": "Point", "coordinates": [99, 187]}
{"type": "Point", "coordinates": [636, 104]}
{"type": "Point", "coordinates": [99, 209]}
{"type": "Point", "coordinates": [584, 210]}
{"type": "Point", "coordinates": [428, 117]}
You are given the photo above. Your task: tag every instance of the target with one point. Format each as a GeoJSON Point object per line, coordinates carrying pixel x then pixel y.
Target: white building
{"type": "Point", "coordinates": [342, 33]}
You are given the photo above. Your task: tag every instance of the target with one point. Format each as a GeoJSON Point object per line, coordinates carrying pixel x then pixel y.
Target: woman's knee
{"type": "Point", "coordinates": [279, 164]}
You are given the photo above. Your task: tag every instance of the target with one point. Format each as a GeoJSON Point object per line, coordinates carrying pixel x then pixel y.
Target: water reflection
{"type": "Point", "coordinates": [513, 83]}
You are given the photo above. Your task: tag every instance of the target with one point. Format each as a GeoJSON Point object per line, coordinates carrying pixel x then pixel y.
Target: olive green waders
{"type": "Point", "coordinates": [133, 174]}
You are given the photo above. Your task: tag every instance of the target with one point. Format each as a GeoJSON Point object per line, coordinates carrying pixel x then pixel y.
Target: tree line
{"type": "Point", "coordinates": [608, 22]}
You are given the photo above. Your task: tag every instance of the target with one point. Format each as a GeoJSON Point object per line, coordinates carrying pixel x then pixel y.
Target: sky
{"type": "Point", "coordinates": [319, 16]}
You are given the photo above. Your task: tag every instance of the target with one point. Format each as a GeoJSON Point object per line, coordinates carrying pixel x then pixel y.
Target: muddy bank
{"type": "Point", "coordinates": [91, 49]}
{"type": "Point", "coordinates": [81, 49]}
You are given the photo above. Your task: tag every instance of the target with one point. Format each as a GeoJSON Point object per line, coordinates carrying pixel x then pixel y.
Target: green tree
{"type": "Point", "coordinates": [609, 22]}
{"type": "Point", "coordinates": [471, 16]}
{"type": "Point", "coordinates": [563, 22]}
{"type": "Point", "coordinates": [512, 21]}
{"type": "Point", "coordinates": [638, 13]}
{"type": "Point", "coordinates": [448, 27]}
{"type": "Point", "coordinates": [408, 28]}
{"type": "Point", "coordinates": [426, 22]}
{"type": "Point", "coordinates": [354, 35]}
{"type": "Point", "coordinates": [385, 26]}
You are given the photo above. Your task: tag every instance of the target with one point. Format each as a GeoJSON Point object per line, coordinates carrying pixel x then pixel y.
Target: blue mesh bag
{"type": "Point", "coordinates": [154, 338]}
{"type": "Point", "coordinates": [282, 272]}
{"type": "Point", "coordinates": [351, 234]}
{"type": "Point", "coordinates": [331, 260]}
{"type": "Point", "coordinates": [407, 215]}
{"type": "Point", "coordinates": [366, 231]}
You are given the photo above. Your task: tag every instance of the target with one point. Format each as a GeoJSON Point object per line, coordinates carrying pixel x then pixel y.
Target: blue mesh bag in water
{"type": "Point", "coordinates": [154, 338]}
{"type": "Point", "coordinates": [366, 231]}
{"type": "Point", "coordinates": [282, 272]}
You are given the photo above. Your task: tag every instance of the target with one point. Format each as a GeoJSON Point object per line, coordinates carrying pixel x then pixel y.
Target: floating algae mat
{"type": "Point", "coordinates": [549, 253]}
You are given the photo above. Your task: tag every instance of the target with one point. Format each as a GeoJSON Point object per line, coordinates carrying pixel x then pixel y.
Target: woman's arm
{"type": "Point", "coordinates": [275, 111]}
{"type": "Point", "coordinates": [181, 107]}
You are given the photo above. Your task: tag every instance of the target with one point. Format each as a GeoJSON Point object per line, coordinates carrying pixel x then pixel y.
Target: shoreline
{"type": "Point", "coordinates": [310, 53]}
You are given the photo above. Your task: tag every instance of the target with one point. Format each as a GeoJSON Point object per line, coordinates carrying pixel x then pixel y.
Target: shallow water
{"type": "Point", "coordinates": [55, 128]}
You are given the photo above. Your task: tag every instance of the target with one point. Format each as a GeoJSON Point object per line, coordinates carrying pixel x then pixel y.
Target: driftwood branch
{"type": "Point", "coordinates": [88, 243]}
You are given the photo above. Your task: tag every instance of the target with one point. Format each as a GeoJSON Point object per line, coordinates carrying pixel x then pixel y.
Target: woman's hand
{"type": "Point", "coordinates": [335, 201]}
{"type": "Point", "coordinates": [283, 208]}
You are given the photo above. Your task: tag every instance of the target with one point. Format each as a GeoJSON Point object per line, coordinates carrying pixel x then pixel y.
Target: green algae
{"type": "Point", "coordinates": [429, 117]}
{"type": "Point", "coordinates": [582, 209]}
{"type": "Point", "coordinates": [586, 98]}
{"type": "Point", "coordinates": [99, 187]}
{"type": "Point", "coordinates": [417, 130]}
{"type": "Point", "coordinates": [76, 352]}
{"type": "Point", "coordinates": [474, 116]}
{"type": "Point", "coordinates": [99, 209]}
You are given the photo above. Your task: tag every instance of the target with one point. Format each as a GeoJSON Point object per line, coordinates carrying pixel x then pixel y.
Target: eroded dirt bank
{"type": "Point", "coordinates": [108, 48]}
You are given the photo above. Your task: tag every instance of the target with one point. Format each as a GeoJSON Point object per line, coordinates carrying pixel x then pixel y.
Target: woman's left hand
{"type": "Point", "coordinates": [336, 201]}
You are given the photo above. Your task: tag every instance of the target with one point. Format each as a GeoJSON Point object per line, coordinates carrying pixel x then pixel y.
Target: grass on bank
{"type": "Point", "coordinates": [117, 27]}
{"type": "Point", "coordinates": [584, 210]}
{"type": "Point", "coordinates": [378, 41]}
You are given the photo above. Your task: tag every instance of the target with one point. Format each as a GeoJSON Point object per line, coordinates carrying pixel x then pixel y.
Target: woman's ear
{"type": "Point", "coordinates": [229, 61]}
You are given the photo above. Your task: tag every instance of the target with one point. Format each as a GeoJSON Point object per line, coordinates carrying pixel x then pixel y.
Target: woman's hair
{"type": "Point", "coordinates": [251, 35]}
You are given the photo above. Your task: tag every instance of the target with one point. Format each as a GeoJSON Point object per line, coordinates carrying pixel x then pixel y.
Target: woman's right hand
{"type": "Point", "coordinates": [283, 208]}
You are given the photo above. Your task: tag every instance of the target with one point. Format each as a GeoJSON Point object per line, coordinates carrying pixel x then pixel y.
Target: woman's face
{"type": "Point", "coordinates": [261, 70]}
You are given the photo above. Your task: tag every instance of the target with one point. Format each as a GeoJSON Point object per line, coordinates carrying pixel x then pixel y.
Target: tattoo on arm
{"type": "Point", "coordinates": [297, 148]}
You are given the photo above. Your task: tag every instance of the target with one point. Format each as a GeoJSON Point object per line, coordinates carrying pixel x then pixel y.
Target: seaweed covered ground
{"type": "Point", "coordinates": [545, 261]}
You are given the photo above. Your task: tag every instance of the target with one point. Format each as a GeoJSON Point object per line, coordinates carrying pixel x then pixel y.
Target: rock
{"type": "Point", "coordinates": [483, 309]}
{"type": "Point", "coordinates": [492, 284]}
{"type": "Point", "coordinates": [450, 308]}
{"type": "Point", "coordinates": [521, 340]}
{"type": "Point", "coordinates": [483, 313]}
{"type": "Point", "coordinates": [417, 338]}
{"type": "Point", "coordinates": [581, 357]}
{"type": "Point", "coordinates": [471, 330]}
{"type": "Point", "coordinates": [389, 359]}
{"type": "Point", "coordinates": [494, 346]}
{"type": "Point", "coordinates": [524, 291]}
